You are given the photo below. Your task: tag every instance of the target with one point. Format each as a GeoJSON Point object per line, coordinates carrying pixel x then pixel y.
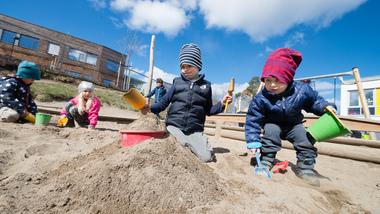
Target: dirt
{"type": "Point", "coordinates": [75, 170]}
{"type": "Point", "coordinates": [148, 122]}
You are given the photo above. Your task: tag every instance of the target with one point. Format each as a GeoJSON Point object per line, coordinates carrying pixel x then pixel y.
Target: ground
{"type": "Point", "coordinates": [75, 170]}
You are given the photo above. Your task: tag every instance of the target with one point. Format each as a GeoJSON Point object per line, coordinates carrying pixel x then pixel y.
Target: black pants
{"type": "Point", "coordinates": [297, 135]}
{"type": "Point", "coordinates": [73, 114]}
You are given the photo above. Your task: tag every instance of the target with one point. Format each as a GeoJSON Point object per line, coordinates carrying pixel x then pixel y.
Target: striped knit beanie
{"type": "Point", "coordinates": [190, 54]}
{"type": "Point", "coordinates": [282, 64]}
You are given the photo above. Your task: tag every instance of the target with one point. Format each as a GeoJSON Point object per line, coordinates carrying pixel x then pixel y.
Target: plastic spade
{"type": "Point", "coordinates": [260, 170]}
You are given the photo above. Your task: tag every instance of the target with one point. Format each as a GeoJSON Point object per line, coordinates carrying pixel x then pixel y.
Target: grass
{"type": "Point", "coordinates": [48, 91]}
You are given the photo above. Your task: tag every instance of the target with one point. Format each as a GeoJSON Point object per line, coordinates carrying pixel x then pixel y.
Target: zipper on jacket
{"type": "Point", "coordinates": [189, 104]}
{"type": "Point", "coordinates": [283, 106]}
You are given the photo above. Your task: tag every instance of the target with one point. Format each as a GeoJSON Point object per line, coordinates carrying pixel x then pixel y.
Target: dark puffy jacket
{"type": "Point", "coordinates": [158, 93]}
{"type": "Point", "coordinates": [190, 103]}
{"type": "Point", "coordinates": [284, 110]}
{"type": "Point", "coordinates": [16, 95]}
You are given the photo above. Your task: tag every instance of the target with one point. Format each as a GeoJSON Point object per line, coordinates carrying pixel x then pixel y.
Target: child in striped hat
{"type": "Point", "coordinates": [277, 110]}
{"type": "Point", "coordinates": [191, 100]}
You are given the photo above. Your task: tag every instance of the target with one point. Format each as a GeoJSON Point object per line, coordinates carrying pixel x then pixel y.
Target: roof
{"type": "Point", "coordinates": [49, 29]}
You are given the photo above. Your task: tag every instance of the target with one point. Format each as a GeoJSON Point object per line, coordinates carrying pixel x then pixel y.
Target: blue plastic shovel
{"type": "Point", "coordinates": [260, 170]}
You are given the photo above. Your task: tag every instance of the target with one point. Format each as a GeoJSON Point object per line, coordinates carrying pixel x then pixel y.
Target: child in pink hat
{"type": "Point", "coordinates": [277, 110]}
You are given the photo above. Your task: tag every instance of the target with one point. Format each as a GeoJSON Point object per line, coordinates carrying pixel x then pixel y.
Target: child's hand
{"type": "Point", "coordinates": [227, 99]}
{"type": "Point", "coordinates": [254, 147]}
{"type": "Point", "coordinates": [91, 127]}
{"type": "Point", "coordinates": [330, 109]}
{"type": "Point", "coordinates": [145, 109]}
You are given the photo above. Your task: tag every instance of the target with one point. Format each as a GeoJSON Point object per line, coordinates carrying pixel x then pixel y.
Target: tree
{"type": "Point", "coordinates": [130, 44]}
{"type": "Point", "coordinates": [251, 90]}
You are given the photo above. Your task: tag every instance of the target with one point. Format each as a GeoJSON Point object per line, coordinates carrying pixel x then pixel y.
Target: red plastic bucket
{"type": "Point", "coordinates": [132, 137]}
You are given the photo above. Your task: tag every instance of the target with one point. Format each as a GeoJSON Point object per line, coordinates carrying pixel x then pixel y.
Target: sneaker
{"type": "Point", "coordinates": [309, 175]}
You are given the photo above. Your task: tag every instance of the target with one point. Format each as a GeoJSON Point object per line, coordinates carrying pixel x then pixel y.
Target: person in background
{"type": "Point", "coordinates": [16, 102]}
{"type": "Point", "coordinates": [83, 109]}
{"type": "Point", "coordinates": [191, 100]}
{"type": "Point", "coordinates": [277, 110]}
{"type": "Point", "coordinates": [159, 91]}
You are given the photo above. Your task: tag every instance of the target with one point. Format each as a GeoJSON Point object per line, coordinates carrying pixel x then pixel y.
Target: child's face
{"type": "Point", "coordinates": [158, 84]}
{"type": "Point", "coordinates": [190, 72]}
{"type": "Point", "coordinates": [274, 86]}
{"type": "Point", "coordinates": [28, 81]}
{"type": "Point", "coordinates": [87, 94]}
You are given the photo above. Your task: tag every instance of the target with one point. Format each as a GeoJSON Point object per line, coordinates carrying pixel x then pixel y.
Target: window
{"type": "Point", "coordinates": [112, 66]}
{"type": "Point", "coordinates": [53, 49]}
{"type": "Point", "coordinates": [87, 77]}
{"type": "Point", "coordinates": [73, 74]}
{"type": "Point", "coordinates": [107, 83]}
{"type": "Point", "coordinates": [91, 59]}
{"type": "Point", "coordinates": [8, 37]}
{"type": "Point", "coordinates": [355, 106]}
{"type": "Point", "coordinates": [81, 56]}
{"type": "Point", "coordinates": [29, 42]}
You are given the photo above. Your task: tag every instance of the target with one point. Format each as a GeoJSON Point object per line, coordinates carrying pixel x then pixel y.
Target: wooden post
{"type": "Point", "coordinates": [363, 99]}
{"type": "Point", "coordinates": [260, 87]}
{"type": "Point", "coordinates": [151, 64]}
{"type": "Point", "coordinates": [118, 75]}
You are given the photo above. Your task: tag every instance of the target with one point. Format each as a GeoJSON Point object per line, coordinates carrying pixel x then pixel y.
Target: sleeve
{"type": "Point", "coordinates": [213, 109]}
{"type": "Point", "coordinates": [9, 90]}
{"type": "Point", "coordinates": [254, 121]}
{"type": "Point", "coordinates": [315, 104]}
{"type": "Point", "coordinates": [32, 107]}
{"type": "Point", "coordinates": [93, 112]}
{"type": "Point", "coordinates": [151, 93]}
{"type": "Point", "coordinates": [73, 101]}
{"type": "Point", "coordinates": [164, 102]}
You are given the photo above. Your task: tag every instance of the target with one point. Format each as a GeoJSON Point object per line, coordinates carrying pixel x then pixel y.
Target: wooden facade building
{"type": "Point", "coordinates": [59, 52]}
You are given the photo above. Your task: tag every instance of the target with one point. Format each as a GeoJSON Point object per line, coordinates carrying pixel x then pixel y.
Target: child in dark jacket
{"type": "Point", "coordinates": [277, 110]}
{"type": "Point", "coordinates": [159, 91]}
{"type": "Point", "coordinates": [16, 102]}
{"type": "Point", "coordinates": [191, 100]}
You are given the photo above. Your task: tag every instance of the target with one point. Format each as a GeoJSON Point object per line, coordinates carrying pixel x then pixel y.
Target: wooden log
{"type": "Point", "coordinates": [124, 120]}
{"type": "Point", "coordinates": [338, 148]}
{"type": "Point", "coordinates": [345, 151]}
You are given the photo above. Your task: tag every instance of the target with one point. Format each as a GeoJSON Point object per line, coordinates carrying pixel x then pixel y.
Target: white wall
{"type": "Point", "coordinates": [345, 95]}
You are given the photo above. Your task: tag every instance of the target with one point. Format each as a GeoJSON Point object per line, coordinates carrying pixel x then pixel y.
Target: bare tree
{"type": "Point", "coordinates": [130, 44]}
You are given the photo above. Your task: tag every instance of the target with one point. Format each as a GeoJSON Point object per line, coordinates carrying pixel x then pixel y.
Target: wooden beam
{"type": "Point", "coordinates": [349, 122]}
{"type": "Point", "coordinates": [100, 118]}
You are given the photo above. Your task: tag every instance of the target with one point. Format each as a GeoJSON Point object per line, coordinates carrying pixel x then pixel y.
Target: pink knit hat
{"type": "Point", "coordinates": [282, 64]}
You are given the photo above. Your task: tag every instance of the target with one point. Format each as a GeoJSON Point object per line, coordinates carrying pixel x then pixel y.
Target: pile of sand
{"type": "Point", "coordinates": [59, 170]}
{"type": "Point", "coordinates": [147, 122]}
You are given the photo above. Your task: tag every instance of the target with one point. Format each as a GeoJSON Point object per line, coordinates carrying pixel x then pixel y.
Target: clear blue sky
{"type": "Point", "coordinates": [235, 37]}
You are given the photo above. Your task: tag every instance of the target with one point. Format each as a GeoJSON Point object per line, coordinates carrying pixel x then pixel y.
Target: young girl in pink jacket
{"type": "Point", "coordinates": [84, 108]}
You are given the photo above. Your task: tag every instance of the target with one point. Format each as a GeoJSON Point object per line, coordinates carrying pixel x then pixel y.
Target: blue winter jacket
{"type": "Point", "coordinates": [190, 102]}
{"type": "Point", "coordinates": [283, 109]}
{"type": "Point", "coordinates": [158, 93]}
{"type": "Point", "coordinates": [15, 94]}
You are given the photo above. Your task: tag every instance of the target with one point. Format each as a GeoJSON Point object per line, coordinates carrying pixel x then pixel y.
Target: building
{"type": "Point", "coordinates": [59, 52]}
{"type": "Point", "coordinates": [350, 102]}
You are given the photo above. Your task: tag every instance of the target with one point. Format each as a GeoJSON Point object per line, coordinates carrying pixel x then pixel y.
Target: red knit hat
{"type": "Point", "coordinates": [282, 64]}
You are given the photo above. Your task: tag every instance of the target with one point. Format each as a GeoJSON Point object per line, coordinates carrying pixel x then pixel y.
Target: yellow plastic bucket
{"type": "Point", "coordinates": [134, 98]}
{"type": "Point", "coordinates": [42, 119]}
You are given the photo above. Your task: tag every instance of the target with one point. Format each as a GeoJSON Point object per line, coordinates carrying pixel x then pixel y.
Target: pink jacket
{"type": "Point", "coordinates": [93, 112]}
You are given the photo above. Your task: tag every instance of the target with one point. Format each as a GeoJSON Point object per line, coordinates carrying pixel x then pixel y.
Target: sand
{"type": "Point", "coordinates": [75, 170]}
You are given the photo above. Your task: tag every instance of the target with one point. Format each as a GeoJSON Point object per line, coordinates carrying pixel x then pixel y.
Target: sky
{"type": "Point", "coordinates": [235, 36]}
